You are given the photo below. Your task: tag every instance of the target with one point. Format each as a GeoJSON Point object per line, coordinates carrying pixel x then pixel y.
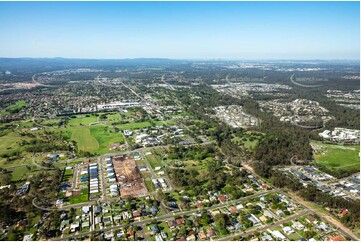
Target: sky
{"type": "Point", "coordinates": [181, 30]}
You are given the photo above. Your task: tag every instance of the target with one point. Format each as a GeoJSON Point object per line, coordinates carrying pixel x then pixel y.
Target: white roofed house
{"type": "Point", "coordinates": [278, 235]}
{"type": "Point", "coordinates": [297, 225]}
{"type": "Point", "coordinates": [288, 230]}
{"type": "Point", "coordinates": [255, 221]}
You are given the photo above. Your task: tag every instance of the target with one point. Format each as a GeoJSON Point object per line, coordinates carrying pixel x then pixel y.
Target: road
{"type": "Point", "coordinates": [38, 83]}
{"type": "Point", "coordinates": [134, 92]}
{"type": "Point", "coordinates": [168, 85]}
{"type": "Point", "coordinates": [329, 219]}
{"type": "Point", "coordinates": [167, 216]}
{"type": "Point", "coordinates": [265, 227]}
{"type": "Point", "coordinates": [154, 176]}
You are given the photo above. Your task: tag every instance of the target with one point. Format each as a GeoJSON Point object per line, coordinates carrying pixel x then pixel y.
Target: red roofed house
{"type": "Point", "coordinates": [343, 212]}
{"type": "Point", "coordinates": [222, 198]}
{"type": "Point", "coordinates": [180, 221]}
{"type": "Point", "coordinates": [336, 238]}
{"type": "Point", "coordinates": [232, 210]}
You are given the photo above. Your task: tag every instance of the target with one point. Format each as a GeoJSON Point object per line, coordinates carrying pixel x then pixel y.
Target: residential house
{"type": "Point", "coordinates": [268, 213]}
{"type": "Point", "coordinates": [191, 238]}
{"type": "Point", "coordinates": [154, 229]}
{"type": "Point", "coordinates": [255, 221]}
{"type": "Point", "coordinates": [211, 232]}
{"type": "Point", "coordinates": [288, 230]}
{"type": "Point", "coordinates": [323, 227]}
{"type": "Point", "coordinates": [28, 237]}
{"type": "Point", "coordinates": [74, 226]}
{"type": "Point", "coordinates": [85, 209]}
{"type": "Point", "coordinates": [202, 236]}
{"type": "Point", "coordinates": [180, 221]}
{"type": "Point", "coordinates": [311, 220]}
{"type": "Point", "coordinates": [343, 212]}
{"type": "Point", "coordinates": [280, 213]}
{"type": "Point", "coordinates": [172, 224]}
{"type": "Point", "coordinates": [233, 210]}
{"type": "Point", "coordinates": [297, 225]}
{"type": "Point", "coordinates": [278, 235]}
{"type": "Point", "coordinates": [336, 237]}
{"type": "Point", "coordinates": [136, 214]}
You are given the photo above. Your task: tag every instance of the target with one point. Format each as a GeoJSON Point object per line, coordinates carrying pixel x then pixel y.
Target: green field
{"type": "Point", "coordinates": [337, 158]}
{"type": "Point", "coordinates": [85, 141]}
{"type": "Point", "coordinates": [21, 172]}
{"type": "Point", "coordinates": [152, 161]}
{"type": "Point", "coordinates": [149, 185]}
{"type": "Point", "coordinates": [249, 144]}
{"type": "Point", "coordinates": [8, 142]}
{"type": "Point", "coordinates": [14, 108]}
{"type": "Point", "coordinates": [78, 199]}
{"type": "Point", "coordinates": [141, 125]}
{"type": "Point", "coordinates": [105, 137]}
{"type": "Point", "coordinates": [82, 120]}
{"type": "Point", "coordinates": [95, 138]}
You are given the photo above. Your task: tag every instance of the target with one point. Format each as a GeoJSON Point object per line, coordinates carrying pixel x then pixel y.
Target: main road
{"type": "Point", "coordinates": [167, 216]}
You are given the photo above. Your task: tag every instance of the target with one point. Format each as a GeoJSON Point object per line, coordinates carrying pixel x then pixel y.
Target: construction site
{"type": "Point", "coordinates": [129, 178]}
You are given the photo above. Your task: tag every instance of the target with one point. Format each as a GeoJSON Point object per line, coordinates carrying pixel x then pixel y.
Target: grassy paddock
{"type": "Point", "coordinates": [337, 158]}
{"type": "Point", "coordinates": [85, 141]}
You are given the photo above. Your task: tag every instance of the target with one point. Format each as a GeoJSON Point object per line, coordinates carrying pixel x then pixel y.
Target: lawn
{"type": "Point", "coordinates": [68, 175]}
{"type": "Point", "coordinates": [199, 164]}
{"type": "Point", "coordinates": [79, 199]}
{"type": "Point", "coordinates": [18, 173]}
{"type": "Point", "coordinates": [140, 162]}
{"type": "Point", "coordinates": [85, 141]}
{"type": "Point", "coordinates": [337, 158]}
{"type": "Point", "coordinates": [16, 107]}
{"type": "Point", "coordinates": [105, 136]}
{"type": "Point", "coordinates": [96, 138]}
{"type": "Point", "coordinates": [141, 125]}
{"type": "Point", "coordinates": [50, 122]}
{"type": "Point", "coordinates": [149, 185]}
{"type": "Point", "coordinates": [152, 161]}
{"type": "Point", "coordinates": [250, 144]}
{"type": "Point", "coordinates": [21, 172]}
{"type": "Point", "coordinates": [294, 236]}
{"type": "Point", "coordinates": [82, 120]}
{"type": "Point", "coordinates": [9, 142]}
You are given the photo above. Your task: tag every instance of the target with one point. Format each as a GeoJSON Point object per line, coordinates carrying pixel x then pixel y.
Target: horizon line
{"type": "Point", "coordinates": [189, 59]}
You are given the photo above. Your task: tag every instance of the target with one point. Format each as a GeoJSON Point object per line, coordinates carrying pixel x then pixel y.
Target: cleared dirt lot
{"type": "Point", "coordinates": [129, 177]}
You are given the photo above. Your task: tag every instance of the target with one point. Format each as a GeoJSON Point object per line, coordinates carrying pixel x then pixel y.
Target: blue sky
{"type": "Point", "coordinates": [233, 30]}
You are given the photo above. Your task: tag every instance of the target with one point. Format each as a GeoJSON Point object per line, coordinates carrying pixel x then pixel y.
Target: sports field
{"type": "Point", "coordinates": [338, 158]}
